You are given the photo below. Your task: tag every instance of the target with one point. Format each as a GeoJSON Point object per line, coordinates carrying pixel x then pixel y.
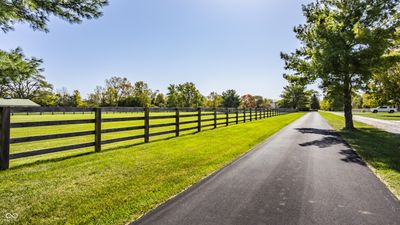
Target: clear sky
{"type": "Point", "coordinates": [217, 44]}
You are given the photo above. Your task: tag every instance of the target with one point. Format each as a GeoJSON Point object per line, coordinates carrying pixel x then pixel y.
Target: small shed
{"type": "Point", "coordinates": [17, 102]}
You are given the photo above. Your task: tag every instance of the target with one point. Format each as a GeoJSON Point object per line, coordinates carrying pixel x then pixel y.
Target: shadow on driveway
{"type": "Point", "coordinates": [329, 139]}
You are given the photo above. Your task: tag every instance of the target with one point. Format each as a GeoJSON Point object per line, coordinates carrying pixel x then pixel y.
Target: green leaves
{"type": "Point", "coordinates": [20, 77]}
{"type": "Point", "coordinates": [37, 12]}
{"type": "Point", "coordinates": [342, 41]}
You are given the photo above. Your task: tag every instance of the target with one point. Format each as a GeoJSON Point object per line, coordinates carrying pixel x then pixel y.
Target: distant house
{"type": "Point", "coordinates": [15, 102]}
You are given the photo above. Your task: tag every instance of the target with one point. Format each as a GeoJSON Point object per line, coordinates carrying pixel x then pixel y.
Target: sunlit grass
{"type": "Point", "coordinates": [380, 115]}
{"type": "Point", "coordinates": [379, 148]}
{"type": "Point", "coordinates": [117, 186]}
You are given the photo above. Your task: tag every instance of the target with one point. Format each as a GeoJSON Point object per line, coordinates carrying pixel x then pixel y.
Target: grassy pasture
{"type": "Point", "coordinates": [35, 131]}
{"type": "Point", "coordinates": [380, 115]}
{"type": "Point", "coordinates": [115, 187]}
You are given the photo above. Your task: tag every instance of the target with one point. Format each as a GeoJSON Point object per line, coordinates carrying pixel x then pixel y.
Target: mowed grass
{"type": "Point", "coordinates": [118, 186]}
{"type": "Point", "coordinates": [380, 115]}
{"type": "Point", "coordinates": [45, 130]}
{"type": "Point", "coordinates": [379, 148]}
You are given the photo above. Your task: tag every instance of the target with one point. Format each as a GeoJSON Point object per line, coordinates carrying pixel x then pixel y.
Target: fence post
{"type": "Point", "coordinates": [177, 122]}
{"type": "Point", "coordinates": [227, 117]}
{"type": "Point", "coordinates": [264, 113]}
{"type": "Point", "coordinates": [237, 115]}
{"type": "Point", "coordinates": [199, 119]}
{"type": "Point", "coordinates": [4, 138]}
{"type": "Point", "coordinates": [215, 118]}
{"type": "Point", "coordinates": [97, 130]}
{"type": "Point", "coordinates": [244, 115]}
{"type": "Point", "coordinates": [251, 116]}
{"type": "Point", "coordinates": [146, 125]}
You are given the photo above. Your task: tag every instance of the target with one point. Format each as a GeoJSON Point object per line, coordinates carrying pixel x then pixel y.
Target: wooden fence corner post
{"type": "Point", "coordinates": [244, 115]}
{"type": "Point", "coordinates": [227, 117]}
{"type": "Point", "coordinates": [177, 122]}
{"type": "Point", "coordinates": [215, 118]}
{"type": "Point", "coordinates": [146, 125]}
{"type": "Point", "coordinates": [264, 112]}
{"type": "Point", "coordinates": [199, 119]}
{"type": "Point", "coordinates": [4, 138]}
{"type": "Point", "coordinates": [251, 116]}
{"type": "Point", "coordinates": [97, 130]}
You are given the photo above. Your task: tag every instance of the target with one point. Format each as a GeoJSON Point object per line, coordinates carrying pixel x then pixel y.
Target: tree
{"type": "Point", "coordinates": [96, 98]}
{"type": "Point", "coordinates": [294, 96]}
{"type": "Point", "coordinates": [325, 104]}
{"type": "Point", "coordinates": [230, 99]}
{"type": "Point", "coordinates": [77, 99]}
{"type": "Point", "coordinates": [341, 41]}
{"type": "Point", "coordinates": [37, 12]}
{"type": "Point", "coordinates": [357, 101]}
{"type": "Point", "coordinates": [142, 93]}
{"type": "Point", "coordinates": [20, 77]}
{"type": "Point", "coordinates": [64, 98]}
{"type": "Point", "coordinates": [184, 95]}
{"type": "Point", "coordinates": [46, 98]}
{"type": "Point", "coordinates": [315, 102]}
{"type": "Point", "coordinates": [160, 100]}
{"type": "Point", "coordinates": [248, 101]}
{"type": "Point", "coordinates": [213, 100]}
{"type": "Point", "coordinates": [172, 96]}
{"type": "Point", "coordinates": [386, 85]}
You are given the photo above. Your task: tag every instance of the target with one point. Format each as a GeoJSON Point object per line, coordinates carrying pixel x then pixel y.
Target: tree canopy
{"type": "Point", "coordinates": [341, 41]}
{"type": "Point", "coordinates": [37, 13]}
{"type": "Point", "coordinates": [230, 99]}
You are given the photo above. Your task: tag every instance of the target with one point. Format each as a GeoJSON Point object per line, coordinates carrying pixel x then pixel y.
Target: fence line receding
{"type": "Point", "coordinates": [179, 120]}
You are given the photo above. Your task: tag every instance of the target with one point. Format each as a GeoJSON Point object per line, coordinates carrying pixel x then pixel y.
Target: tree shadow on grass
{"type": "Point", "coordinates": [379, 148]}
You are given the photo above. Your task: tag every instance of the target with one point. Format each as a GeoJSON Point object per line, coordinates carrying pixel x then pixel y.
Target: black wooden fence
{"type": "Point", "coordinates": [229, 116]}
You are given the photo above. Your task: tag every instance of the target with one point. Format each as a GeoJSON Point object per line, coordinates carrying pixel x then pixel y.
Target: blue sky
{"type": "Point", "coordinates": [217, 44]}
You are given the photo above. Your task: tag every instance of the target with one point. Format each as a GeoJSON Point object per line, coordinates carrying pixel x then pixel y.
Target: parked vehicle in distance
{"type": "Point", "coordinates": [384, 109]}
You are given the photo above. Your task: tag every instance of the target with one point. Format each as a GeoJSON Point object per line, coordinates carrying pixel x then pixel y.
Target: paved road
{"type": "Point", "coordinates": [392, 126]}
{"type": "Point", "coordinates": [304, 174]}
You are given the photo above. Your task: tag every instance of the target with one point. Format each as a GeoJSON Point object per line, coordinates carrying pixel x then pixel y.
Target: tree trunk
{"type": "Point", "coordinates": [348, 114]}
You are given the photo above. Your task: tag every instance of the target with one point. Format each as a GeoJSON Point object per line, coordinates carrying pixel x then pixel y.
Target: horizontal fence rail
{"type": "Point", "coordinates": [196, 119]}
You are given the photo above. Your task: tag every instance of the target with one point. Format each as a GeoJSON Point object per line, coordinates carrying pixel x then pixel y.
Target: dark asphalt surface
{"type": "Point", "coordinates": [304, 174]}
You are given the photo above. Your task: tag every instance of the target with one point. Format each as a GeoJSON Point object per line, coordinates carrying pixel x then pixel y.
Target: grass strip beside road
{"type": "Point", "coordinates": [118, 186]}
{"type": "Point", "coordinates": [380, 115]}
{"type": "Point", "coordinates": [378, 148]}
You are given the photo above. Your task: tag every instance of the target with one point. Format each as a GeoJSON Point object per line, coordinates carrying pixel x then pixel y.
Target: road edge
{"type": "Point", "coordinates": [207, 178]}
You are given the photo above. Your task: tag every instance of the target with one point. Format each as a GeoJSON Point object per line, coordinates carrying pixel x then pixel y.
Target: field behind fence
{"type": "Point", "coordinates": [34, 131]}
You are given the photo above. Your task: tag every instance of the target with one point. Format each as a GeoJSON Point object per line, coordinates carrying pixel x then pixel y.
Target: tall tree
{"type": "Point", "coordinates": [248, 101]}
{"type": "Point", "coordinates": [142, 93]}
{"type": "Point", "coordinates": [341, 40]}
{"type": "Point", "coordinates": [315, 102]}
{"type": "Point", "coordinates": [37, 12]}
{"type": "Point", "coordinates": [20, 77]}
{"type": "Point", "coordinates": [172, 96]}
{"type": "Point", "coordinates": [159, 100]}
{"type": "Point", "coordinates": [230, 99]}
{"type": "Point", "coordinates": [184, 95]}
{"type": "Point", "coordinates": [294, 96]}
{"type": "Point", "coordinates": [214, 100]}
{"type": "Point", "coordinates": [77, 99]}
{"type": "Point", "coordinates": [386, 85]}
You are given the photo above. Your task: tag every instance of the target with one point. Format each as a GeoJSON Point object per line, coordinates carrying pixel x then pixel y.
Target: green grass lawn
{"type": "Point", "coordinates": [379, 148]}
{"type": "Point", "coordinates": [380, 115]}
{"type": "Point", "coordinates": [45, 130]}
{"type": "Point", "coordinates": [117, 186]}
